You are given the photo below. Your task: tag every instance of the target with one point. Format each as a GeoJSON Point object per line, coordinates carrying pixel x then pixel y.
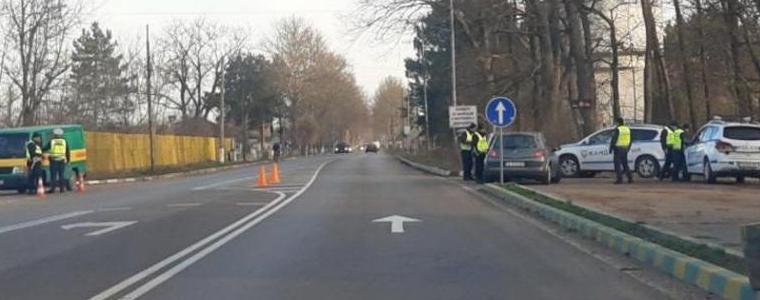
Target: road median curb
{"type": "Point", "coordinates": [425, 168]}
{"type": "Point", "coordinates": [709, 277]}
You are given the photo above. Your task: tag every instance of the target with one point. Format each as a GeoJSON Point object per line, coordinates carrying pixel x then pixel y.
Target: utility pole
{"type": "Point", "coordinates": [425, 96]}
{"type": "Point", "coordinates": [453, 56]}
{"type": "Point", "coordinates": [222, 153]}
{"type": "Point", "coordinates": [150, 102]}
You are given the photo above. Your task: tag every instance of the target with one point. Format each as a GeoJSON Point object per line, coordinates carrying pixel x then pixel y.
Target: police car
{"type": "Point", "coordinates": [592, 154]}
{"type": "Point", "coordinates": [725, 149]}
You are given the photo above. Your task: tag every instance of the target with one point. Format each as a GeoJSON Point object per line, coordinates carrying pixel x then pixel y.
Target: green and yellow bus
{"type": "Point", "coordinates": [13, 169]}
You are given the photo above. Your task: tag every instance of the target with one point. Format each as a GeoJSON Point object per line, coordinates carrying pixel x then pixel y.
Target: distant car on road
{"type": "Point", "coordinates": [526, 155]}
{"type": "Point", "coordinates": [343, 148]}
{"type": "Point", "coordinates": [725, 149]}
{"type": "Point", "coordinates": [591, 155]}
{"type": "Point", "coordinates": [372, 148]}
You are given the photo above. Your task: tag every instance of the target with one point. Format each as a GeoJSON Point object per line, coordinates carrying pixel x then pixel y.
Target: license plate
{"type": "Point", "coordinates": [514, 164]}
{"type": "Point", "coordinates": [2, 182]}
{"type": "Point", "coordinates": [751, 165]}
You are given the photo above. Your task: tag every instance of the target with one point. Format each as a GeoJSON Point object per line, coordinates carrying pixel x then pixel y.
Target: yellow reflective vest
{"type": "Point", "coordinates": [482, 145]}
{"type": "Point", "coordinates": [467, 145]}
{"type": "Point", "coordinates": [677, 141]}
{"type": "Point", "coordinates": [624, 137]}
{"type": "Point", "coordinates": [58, 149]}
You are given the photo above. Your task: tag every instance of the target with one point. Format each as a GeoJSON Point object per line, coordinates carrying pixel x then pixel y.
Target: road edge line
{"type": "Point", "coordinates": [709, 277]}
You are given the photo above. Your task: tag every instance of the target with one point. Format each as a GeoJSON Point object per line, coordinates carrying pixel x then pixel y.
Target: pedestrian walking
{"type": "Point", "coordinates": [60, 154]}
{"type": "Point", "coordinates": [465, 148]}
{"type": "Point", "coordinates": [480, 144]}
{"type": "Point", "coordinates": [34, 161]}
{"type": "Point", "coordinates": [620, 145]}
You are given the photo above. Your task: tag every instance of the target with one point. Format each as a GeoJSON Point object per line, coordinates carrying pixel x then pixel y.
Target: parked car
{"type": "Point", "coordinates": [591, 155]}
{"type": "Point", "coordinates": [343, 148]}
{"type": "Point", "coordinates": [725, 149]}
{"type": "Point", "coordinates": [13, 170]}
{"type": "Point", "coordinates": [526, 155]}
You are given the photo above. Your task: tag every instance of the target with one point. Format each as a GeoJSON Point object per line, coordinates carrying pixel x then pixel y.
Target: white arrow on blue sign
{"type": "Point", "coordinates": [501, 112]}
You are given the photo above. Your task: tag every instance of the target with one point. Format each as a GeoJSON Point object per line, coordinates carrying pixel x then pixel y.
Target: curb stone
{"type": "Point", "coordinates": [709, 277]}
{"type": "Point", "coordinates": [425, 168]}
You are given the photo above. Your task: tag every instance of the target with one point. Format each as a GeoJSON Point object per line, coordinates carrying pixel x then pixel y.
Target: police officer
{"type": "Point", "coordinates": [679, 155]}
{"type": "Point", "coordinates": [60, 155]}
{"type": "Point", "coordinates": [620, 145]}
{"type": "Point", "coordinates": [480, 144]}
{"type": "Point", "coordinates": [34, 160]}
{"type": "Point", "coordinates": [466, 140]}
{"type": "Point", "coordinates": [667, 140]}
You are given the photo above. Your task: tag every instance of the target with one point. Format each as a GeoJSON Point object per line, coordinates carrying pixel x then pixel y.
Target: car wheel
{"type": "Point", "coordinates": [740, 179]}
{"type": "Point", "coordinates": [708, 173]}
{"type": "Point", "coordinates": [569, 166]}
{"type": "Point", "coordinates": [647, 167]}
{"type": "Point", "coordinates": [21, 191]}
{"type": "Point", "coordinates": [547, 178]}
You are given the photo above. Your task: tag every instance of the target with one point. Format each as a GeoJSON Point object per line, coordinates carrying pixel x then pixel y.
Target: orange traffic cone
{"type": "Point", "coordinates": [80, 183]}
{"type": "Point", "coordinates": [262, 177]}
{"type": "Point", "coordinates": [40, 189]}
{"type": "Point", "coordinates": [274, 177]}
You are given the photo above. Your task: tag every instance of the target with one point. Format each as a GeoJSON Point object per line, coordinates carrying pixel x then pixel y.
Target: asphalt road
{"type": "Point", "coordinates": [312, 237]}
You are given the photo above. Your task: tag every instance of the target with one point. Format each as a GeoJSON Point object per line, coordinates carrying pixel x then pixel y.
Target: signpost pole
{"type": "Point", "coordinates": [501, 155]}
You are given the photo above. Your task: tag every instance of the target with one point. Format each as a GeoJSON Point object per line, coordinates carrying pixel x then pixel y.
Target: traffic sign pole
{"type": "Point", "coordinates": [501, 165]}
{"type": "Point", "coordinates": [501, 112]}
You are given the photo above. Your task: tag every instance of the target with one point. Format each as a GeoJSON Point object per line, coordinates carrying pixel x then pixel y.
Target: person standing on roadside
{"type": "Point", "coordinates": [620, 145]}
{"type": "Point", "coordinates": [34, 160]}
{"type": "Point", "coordinates": [680, 138]}
{"type": "Point", "coordinates": [60, 155]}
{"type": "Point", "coordinates": [667, 141]}
{"type": "Point", "coordinates": [480, 144]}
{"type": "Point", "coordinates": [466, 140]}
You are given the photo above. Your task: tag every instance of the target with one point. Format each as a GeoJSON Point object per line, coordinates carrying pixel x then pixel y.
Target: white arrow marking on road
{"type": "Point", "coordinates": [397, 222]}
{"type": "Point", "coordinates": [110, 226]}
{"type": "Point", "coordinates": [501, 109]}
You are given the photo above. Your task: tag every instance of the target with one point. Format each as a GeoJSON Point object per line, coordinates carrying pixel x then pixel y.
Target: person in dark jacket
{"type": "Point", "coordinates": [666, 142]}
{"type": "Point", "coordinates": [680, 142]}
{"type": "Point", "coordinates": [34, 161]}
{"type": "Point", "coordinates": [60, 155]}
{"type": "Point", "coordinates": [480, 149]}
{"type": "Point", "coordinates": [620, 145]}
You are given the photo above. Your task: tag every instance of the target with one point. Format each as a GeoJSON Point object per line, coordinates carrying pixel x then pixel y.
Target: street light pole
{"type": "Point", "coordinates": [222, 152]}
{"type": "Point", "coordinates": [152, 131]}
{"type": "Point", "coordinates": [425, 96]}
{"type": "Point", "coordinates": [453, 56]}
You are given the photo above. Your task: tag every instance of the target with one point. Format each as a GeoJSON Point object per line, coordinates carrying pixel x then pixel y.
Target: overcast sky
{"type": "Point", "coordinates": [371, 61]}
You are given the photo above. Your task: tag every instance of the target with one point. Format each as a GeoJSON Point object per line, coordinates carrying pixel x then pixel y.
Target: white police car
{"type": "Point", "coordinates": [592, 154]}
{"type": "Point", "coordinates": [725, 149]}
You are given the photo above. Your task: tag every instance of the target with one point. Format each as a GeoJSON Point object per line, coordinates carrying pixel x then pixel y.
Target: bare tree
{"type": "Point", "coordinates": [37, 30]}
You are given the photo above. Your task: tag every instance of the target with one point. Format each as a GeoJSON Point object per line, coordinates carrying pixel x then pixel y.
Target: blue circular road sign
{"type": "Point", "coordinates": [501, 112]}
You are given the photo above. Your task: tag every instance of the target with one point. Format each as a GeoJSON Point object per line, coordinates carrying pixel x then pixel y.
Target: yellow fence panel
{"type": "Point", "coordinates": [116, 152]}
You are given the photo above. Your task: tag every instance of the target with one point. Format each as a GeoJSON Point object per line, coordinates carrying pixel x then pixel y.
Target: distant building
{"type": "Point", "coordinates": [631, 35]}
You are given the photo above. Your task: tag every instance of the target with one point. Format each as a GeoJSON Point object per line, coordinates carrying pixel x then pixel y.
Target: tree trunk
{"type": "Point", "coordinates": [680, 26]}
{"type": "Point", "coordinates": [659, 104]}
{"type": "Point", "coordinates": [743, 102]}
{"type": "Point", "coordinates": [585, 72]}
{"type": "Point", "coordinates": [615, 69]}
{"type": "Point", "coordinates": [703, 59]}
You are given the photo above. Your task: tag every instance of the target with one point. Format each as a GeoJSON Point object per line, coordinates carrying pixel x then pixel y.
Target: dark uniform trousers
{"type": "Point", "coordinates": [621, 163]}
{"type": "Point", "coordinates": [679, 168]}
{"type": "Point", "coordinates": [467, 158]}
{"type": "Point", "coordinates": [57, 167]}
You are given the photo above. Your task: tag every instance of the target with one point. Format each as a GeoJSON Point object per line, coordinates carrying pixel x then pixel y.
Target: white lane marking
{"type": "Point", "coordinates": [50, 219]}
{"type": "Point", "coordinates": [223, 183]}
{"type": "Point", "coordinates": [184, 205]}
{"type": "Point", "coordinates": [252, 203]}
{"type": "Point", "coordinates": [109, 226]}
{"type": "Point", "coordinates": [156, 281]}
{"type": "Point", "coordinates": [158, 266]}
{"type": "Point", "coordinates": [109, 209]}
{"type": "Point", "coordinates": [397, 222]}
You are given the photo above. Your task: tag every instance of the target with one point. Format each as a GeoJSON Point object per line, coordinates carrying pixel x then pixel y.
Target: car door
{"type": "Point", "coordinates": [696, 152]}
{"type": "Point", "coordinates": [595, 154]}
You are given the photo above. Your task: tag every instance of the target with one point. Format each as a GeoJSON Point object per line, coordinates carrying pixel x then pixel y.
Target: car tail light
{"type": "Point", "coordinates": [493, 154]}
{"type": "Point", "coordinates": [724, 147]}
{"type": "Point", "coordinates": [540, 154]}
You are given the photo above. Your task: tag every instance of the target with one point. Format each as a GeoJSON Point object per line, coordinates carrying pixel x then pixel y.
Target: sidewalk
{"type": "Point", "coordinates": [707, 213]}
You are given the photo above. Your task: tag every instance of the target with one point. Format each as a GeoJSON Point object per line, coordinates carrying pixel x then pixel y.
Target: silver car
{"type": "Point", "coordinates": [526, 155]}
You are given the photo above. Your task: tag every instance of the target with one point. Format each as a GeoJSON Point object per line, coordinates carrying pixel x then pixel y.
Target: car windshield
{"type": "Point", "coordinates": [517, 141]}
{"type": "Point", "coordinates": [12, 145]}
{"type": "Point", "coordinates": [742, 133]}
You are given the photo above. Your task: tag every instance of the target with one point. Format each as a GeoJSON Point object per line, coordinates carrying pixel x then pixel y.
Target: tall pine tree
{"type": "Point", "coordinates": [100, 89]}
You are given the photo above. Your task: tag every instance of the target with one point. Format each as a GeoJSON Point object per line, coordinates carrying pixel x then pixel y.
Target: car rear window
{"type": "Point", "coordinates": [517, 141]}
{"type": "Point", "coordinates": [742, 133]}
